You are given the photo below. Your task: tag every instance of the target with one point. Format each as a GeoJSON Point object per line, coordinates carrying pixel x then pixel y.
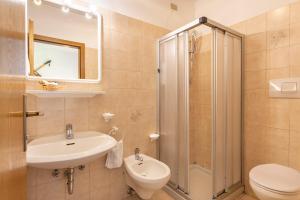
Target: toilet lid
{"type": "Point", "coordinates": [276, 177]}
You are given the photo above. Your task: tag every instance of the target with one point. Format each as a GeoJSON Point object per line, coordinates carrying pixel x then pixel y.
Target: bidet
{"type": "Point", "coordinates": [147, 175]}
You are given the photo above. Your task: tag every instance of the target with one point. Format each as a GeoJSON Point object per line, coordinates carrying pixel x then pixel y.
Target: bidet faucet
{"type": "Point", "coordinates": [69, 132]}
{"type": "Point", "coordinates": [137, 154]}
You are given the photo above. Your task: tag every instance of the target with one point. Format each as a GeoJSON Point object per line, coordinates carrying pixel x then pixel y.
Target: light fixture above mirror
{"type": "Point", "coordinates": [37, 2]}
{"type": "Point", "coordinates": [64, 41]}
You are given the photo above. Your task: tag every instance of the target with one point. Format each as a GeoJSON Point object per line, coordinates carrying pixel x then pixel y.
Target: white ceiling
{"type": "Point", "coordinates": [230, 12]}
{"type": "Point", "coordinates": [153, 11]}
{"type": "Point", "coordinates": [158, 12]}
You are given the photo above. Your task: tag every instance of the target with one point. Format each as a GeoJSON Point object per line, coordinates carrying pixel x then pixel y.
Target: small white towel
{"type": "Point", "coordinates": [115, 156]}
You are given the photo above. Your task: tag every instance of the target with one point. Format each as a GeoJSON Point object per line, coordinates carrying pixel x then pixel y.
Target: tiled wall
{"type": "Point", "coordinates": [200, 103]}
{"type": "Point", "coordinates": [129, 67]}
{"type": "Point", "coordinates": [271, 126]}
{"type": "Point", "coordinates": [91, 63]}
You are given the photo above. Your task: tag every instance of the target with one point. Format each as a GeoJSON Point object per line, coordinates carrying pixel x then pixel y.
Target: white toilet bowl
{"type": "Point", "coordinates": [146, 176]}
{"type": "Point", "coordinates": [275, 182]}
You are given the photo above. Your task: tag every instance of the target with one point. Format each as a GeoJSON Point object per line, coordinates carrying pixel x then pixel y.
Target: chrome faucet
{"type": "Point", "coordinates": [137, 154]}
{"type": "Point", "coordinates": [69, 132]}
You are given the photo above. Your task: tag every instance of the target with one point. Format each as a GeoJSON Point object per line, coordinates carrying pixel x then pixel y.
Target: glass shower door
{"type": "Point", "coordinates": [227, 112]}
{"type": "Point", "coordinates": [200, 106]}
{"type": "Point", "coordinates": [173, 113]}
{"type": "Point", "coordinates": [168, 106]}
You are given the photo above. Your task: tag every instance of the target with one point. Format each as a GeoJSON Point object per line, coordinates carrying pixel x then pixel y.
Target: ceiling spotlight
{"type": "Point", "coordinates": [88, 15]}
{"type": "Point", "coordinates": [65, 9]}
{"type": "Point", "coordinates": [37, 2]}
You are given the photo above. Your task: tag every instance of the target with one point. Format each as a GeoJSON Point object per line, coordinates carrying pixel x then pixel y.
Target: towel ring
{"type": "Point", "coordinates": [114, 131]}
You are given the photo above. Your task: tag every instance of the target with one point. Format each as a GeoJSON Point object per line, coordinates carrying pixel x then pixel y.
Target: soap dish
{"type": "Point", "coordinates": [154, 136]}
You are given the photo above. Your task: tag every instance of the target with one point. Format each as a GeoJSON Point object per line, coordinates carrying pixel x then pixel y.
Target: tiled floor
{"type": "Point", "coordinates": [200, 179]}
{"type": "Point", "coordinates": [161, 195]}
{"type": "Point", "coordinates": [246, 197]}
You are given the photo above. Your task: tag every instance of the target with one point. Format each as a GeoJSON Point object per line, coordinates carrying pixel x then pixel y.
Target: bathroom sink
{"type": "Point", "coordinates": [56, 152]}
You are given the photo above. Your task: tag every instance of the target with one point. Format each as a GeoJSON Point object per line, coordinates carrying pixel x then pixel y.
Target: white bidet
{"type": "Point", "coordinates": [147, 175]}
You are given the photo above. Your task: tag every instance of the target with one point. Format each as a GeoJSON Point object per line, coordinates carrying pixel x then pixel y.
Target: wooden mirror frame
{"type": "Point", "coordinates": [41, 38]}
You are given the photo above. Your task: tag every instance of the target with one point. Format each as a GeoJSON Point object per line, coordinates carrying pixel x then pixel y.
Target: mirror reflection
{"type": "Point", "coordinates": [63, 43]}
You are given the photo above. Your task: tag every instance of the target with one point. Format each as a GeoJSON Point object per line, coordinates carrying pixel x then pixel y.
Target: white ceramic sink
{"type": "Point", "coordinates": [56, 152]}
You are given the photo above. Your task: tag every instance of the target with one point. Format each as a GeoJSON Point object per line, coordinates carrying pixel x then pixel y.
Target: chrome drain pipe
{"type": "Point", "coordinates": [69, 173]}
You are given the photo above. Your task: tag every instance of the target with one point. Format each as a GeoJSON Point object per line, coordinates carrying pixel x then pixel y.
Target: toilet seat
{"type": "Point", "coordinates": [276, 178]}
{"type": "Point", "coordinates": [274, 191]}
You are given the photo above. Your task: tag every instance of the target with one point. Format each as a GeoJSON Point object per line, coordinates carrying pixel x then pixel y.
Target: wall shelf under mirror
{"type": "Point", "coordinates": [64, 93]}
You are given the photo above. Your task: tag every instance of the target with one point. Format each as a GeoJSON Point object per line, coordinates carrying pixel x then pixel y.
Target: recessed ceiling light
{"type": "Point", "coordinates": [37, 2]}
{"type": "Point", "coordinates": [65, 9]}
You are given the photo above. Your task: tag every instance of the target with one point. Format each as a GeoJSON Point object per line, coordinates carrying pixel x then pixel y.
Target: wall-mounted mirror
{"type": "Point", "coordinates": [64, 41]}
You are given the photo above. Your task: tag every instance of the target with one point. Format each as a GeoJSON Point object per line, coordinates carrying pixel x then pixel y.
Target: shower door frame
{"type": "Point", "coordinates": [215, 26]}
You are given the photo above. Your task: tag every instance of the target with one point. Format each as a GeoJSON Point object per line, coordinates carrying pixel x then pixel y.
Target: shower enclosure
{"type": "Point", "coordinates": [200, 83]}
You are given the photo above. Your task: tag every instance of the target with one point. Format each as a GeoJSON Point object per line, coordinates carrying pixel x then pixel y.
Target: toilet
{"type": "Point", "coordinates": [275, 182]}
{"type": "Point", "coordinates": [147, 175]}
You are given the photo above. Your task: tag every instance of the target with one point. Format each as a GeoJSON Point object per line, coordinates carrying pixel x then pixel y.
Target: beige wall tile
{"type": "Point", "coordinates": [255, 110]}
{"type": "Point", "coordinates": [257, 24]}
{"type": "Point", "coordinates": [102, 194]}
{"type": "Point", "coordinates": [294, 33]}
{"type": "Point", "coordinates": [278, 36]}
{"type": "Point", "coordinates": [51, 123]}
{"type": "Point", "coordinates": [278, 113]}
{"type": "Point", "coordinates": [256, 42]}
{"type": "Point", "coordinates": [278, 17]}
{"type": "Point", "coordinates": [76, 113]}
{"type": "Point", "coordinates": [256, 61]}
{"type": "Point", "coordinates": [295, 12]}
{"type": "Point", "coordinates": [277, 58]}
{"type": "Point", "coordinates": [294, 160]}
{"type": "Point", "coordinates": [240, 27]}
{"type": "Point", "coordinates": [255, 79]}
{"type": "Point", "coordinates": [54, 190]}
{"type": "Point", "coordinates": [44, 176]}
{"type": "Point", "coordinates": [279, 73]}
{"type": "Point", "coordinates": [276, 146]}
{"type": "Point", "coordinates": [294, 55]}
{"type": "Point", "coordinates": [121, 60]}
{"type": "Point", "coordinates": [294, 71]}
{"type": "Point", "coordinates": [135, 26]}
{"type": "Point", "coordinates": [294, 114]}
{"type": "Point", "coordinates": [122, 79]}
{"type": "Point", "coordinates": [118, 22]}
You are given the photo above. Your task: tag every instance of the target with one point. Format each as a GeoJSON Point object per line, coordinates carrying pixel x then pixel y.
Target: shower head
{"type": "Point", "coordinates": [192, 42]}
